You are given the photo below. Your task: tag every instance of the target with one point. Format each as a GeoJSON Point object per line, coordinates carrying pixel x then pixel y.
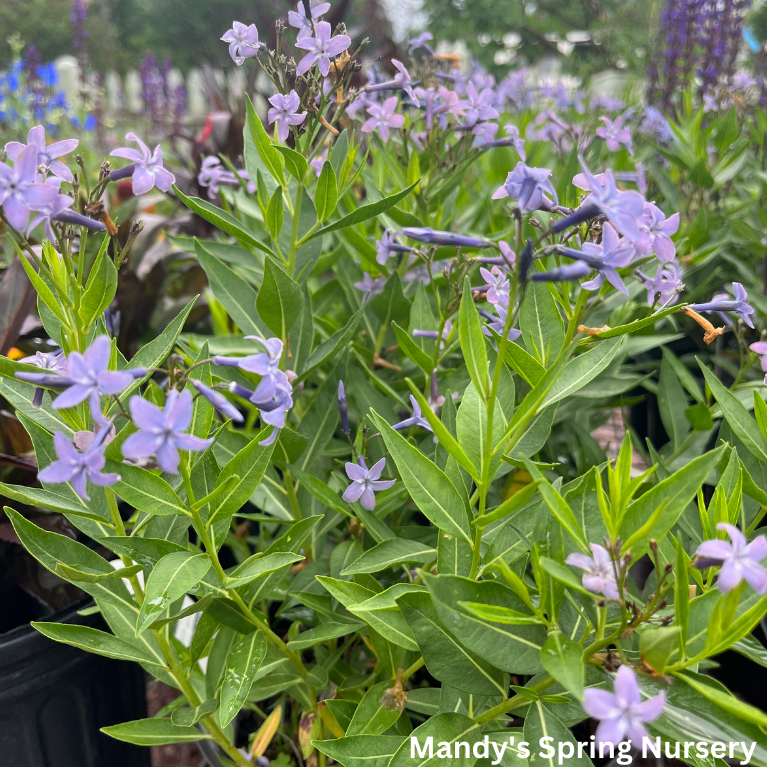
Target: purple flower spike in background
{"type": "Point", "coordinates": [243, 42]}
{"type": "Point", "coordinates": [146, 170]}
{"type": "Point", "coordinates": [724, 303]}
{"type": "Point", "coordinates": [19, 190]}
{"type": "Point", "coordinates": [738, 559]}
{"type": "Point", "coordinates": [47, 156]}
{"type": "Point", "coordinates": [614, 134]}
{"type": "Point", "coordinates": [161, 432]}
{"type": "Point", "coordinates": [300, 21]}
{"type": "Point", "coordinates": [382, 117]}
{"type": "Point", "coordinates": [416, 419]}
{"type": "Point", "coordinates": [219, 401]}
{"type": "Point", "coordinates": [320, 48]}
{"type": "Point", "coordinates": [598, 571]}
{"type": "Point", "coordinates": [365, 483]}
{"type": "Point", "coordinates": [90, 377]}
{"type": "Point", "coordinates": [528, 186]}
{"type": "Point", "coordinates": [78, 468]}
{"type": "Point", "coordinates": [285, 113]}
{"type": "Point", "coordinates": [622, 714]}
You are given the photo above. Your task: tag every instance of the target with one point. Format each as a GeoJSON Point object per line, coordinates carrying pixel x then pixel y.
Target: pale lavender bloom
{"type": "Point", "coordinates": [612, 253]}
{"type": "Point", "coordinates": [622, 208]}
{"type": "Point", "coordinates": [665, 284]}
{"type": "Point", "coordinates": [498, 323]}
{"type": "Point", "coordinates": [655, 125]}
{"type": "Point", "coordinates": [614, 134]}
{"type": "Point", "coordinates": [742, 81]}
{"type": "Point", "coordinates": [53, 362]}
{"type": "Point", "coordinates": [401, 81]}
{"type": "Point", "coordinates": [300, 21]}
{"type": "Point", "coordinates": [146, 169]}
{"type": "Point", "coordinates": [655, 233]}
{"type": "Point", "coordinates": [219, 401]}
{"type": "Point", "coordinates": [449, 104]}
{"type": "Point", "coordinates": [214, 175]}
{"type": "Point", "coordinates": [598, 571]}
{"type": "Point", "coordinates": [738, 559]}
{"type": "Point", "coordinates": [388, 245]}
{"type": "Point", "coordinates": [528, 187]}
{"type": "Point", "coordinates": [78, 468]}
{"type": "Point", "coordinates": [416, 419]}
{"type": "Point", "coordinates": [49, 211]}
{"type": "Point", "coordinates": [508, 254]}
{"type": "Point", "coordinates": [636, 177]}
{"type": "Point", "coordinates": [483, 133]}
{"type": "Point", "coordinates": [518, 143]}
{"type": "Point", "coordinates": [265, 364]}
{"type": "Point", "coordinates": [90, 377]}
{"type": "Point", "coordinates": [420, 42]}
{"type": "Point", "coordinates": [497, 285]}
{"type": "Point", "coordinates": [365, 483]}
{"type": "Point", "coordinates": [19, 190]}
{"type": "Point", "coordinates": [319, 161]}
{"type": "Point", "coordinates": [382, 118]}
{"type": "Point", "coordinates": [161, 432]}
{"type": "Point", "coordinates": [243, 42]}
{"type": "Point", "coordinates": [47, 156]}
{"type": "Point", "coordinates": [369, 286]}
{"type": "Point", "coordinates": [760, 348]}
{"type": "Point", "coordinates": [285, 113]}
{"type": "Point", "coordinates": [622, 713]}
{"type": "Point", "coordinates": [724, 303]}
{"type": "Point", "coordinates": [321, 48]}
{"type": "Point", "coordinates": [448, 239]}
{"type": "Point", "coordinates": [480, 105]}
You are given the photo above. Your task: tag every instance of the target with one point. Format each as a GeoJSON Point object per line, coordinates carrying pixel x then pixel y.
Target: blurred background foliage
{"type": "Point", "coordinates": [594, 34]}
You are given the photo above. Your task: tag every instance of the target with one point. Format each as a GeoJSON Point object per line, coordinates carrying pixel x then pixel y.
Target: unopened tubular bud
{"type": "Point", "coordinates": [342, 409]}
{"type": "Point", "coordinates": [525, 260]}
{"type": "Point", "coordinates": [586, 212]}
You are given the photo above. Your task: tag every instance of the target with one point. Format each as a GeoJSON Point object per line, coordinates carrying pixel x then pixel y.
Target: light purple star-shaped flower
{"type": "Point", "coordinates": [321, 48]}
{"type": "Point", "coordinates": [416, 419]}
{"type": "Point", "coordinates": [622, 208]}
{"type": "Point", "coordinates": [243, 42]}
{"type": "Point", "coordinates": [365, 483]}
{"type": "Point", "coordinates": [47, 156]}
{"type": "Point", "coordinates": [622, 713]}
{"type": "Point", "coordinates": [724, 303]}
{"type": "Point", "coordinates": [614, 134]}
{"type": "Point", "coordinates": [382, 117]}
{"type": "Point", "coordinates": [55, 363]}
{"type": "Point", "coordinates": [598, 571]}
{"type": "Point", "coordinates": [161, 432]}
{"type": "Point", "coordinates": [388, 245]}
{"type": "Point", "coordinates": [265, 364]}
{"type": "Point", "coordinates": [480, 105]}
{"type": "Point", "coordinates": [48, 211]}
{"type": "Point", "coordinates": [498, 324]}
{"type": "Point", "coordinates": [20, 191]}
{"type": "Point", "coordinates": [285, 113]}
{"type": "Point", "coordinates": [369, 286]}
{"type": "Point", "coordinates": [214, 175]}
{"type": "Point", "coordinates": [655, 233]}
{"type": "Point", "coordinates": [78, 468]}
{"type": "Point", "coordinates": [300, 21]}
{"type": "Point", "coordinates": [146, 170]}
{"type": "Point", "coordinates": [497, 285]}
{"type": "Point", "coordinates": [90, 377]}
{"type": "Point", "coordinates": [664, 286]}
{"type": "Point", "coordinates": [738, 559]}
{"type": "Point", "coordinates": [528, 186]}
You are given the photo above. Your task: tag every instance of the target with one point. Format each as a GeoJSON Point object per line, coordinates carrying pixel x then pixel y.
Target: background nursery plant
{"type": "Point", "coordinates": [365, 482]}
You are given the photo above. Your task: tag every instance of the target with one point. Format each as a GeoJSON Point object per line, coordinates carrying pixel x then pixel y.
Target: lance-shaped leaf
{"type": "Point", "coordinates": [737, 416]}
{"type": "Point", "coordinates": [360, 750]}
{"type": "Point", "coordinates": [279, 300]}
{"type": "Point", "coordinates": [447, 660]}
{"type": "Point", "coordinates": [100, 288]}
{"type": "Point", "coordinates": [171, 578]}
{"type": "Point", "coordinates": [249, 465]}
{"type": "Point", "coordinates": [259, 565]}
{"type": "Point", "coordinates": [242, 665]}
{"type": "Point", "coordinates": [444, 728]}
{"type": "Point", "coordinates": [562, 657]}
{"type": "Point", "coordinates": [390, 553]}
{"type": "Point", "coordinates": [433, 493]}
{"type": "Point", "coordinates": [473, 342]}
{"type": "Point", "coordinates": [542, 722]}
{"type": "Point", "coordinates": [92, 640]}
{"type": "Point", "coordinates": [267, 152]}
{"type": "Point", "coordinates": [146, 491]}
{"type": "Point", "coordinates": [372, 716]}
{"type": "Point", "coordinates": [326, 195]}
{"type": "Point", "coordinates": [188, 717]}
{"type": "Point", "coordinates": [154, 732]}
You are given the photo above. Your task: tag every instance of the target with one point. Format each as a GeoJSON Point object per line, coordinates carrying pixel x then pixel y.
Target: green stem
{"type": "Point", "coordinates": [512, 703]}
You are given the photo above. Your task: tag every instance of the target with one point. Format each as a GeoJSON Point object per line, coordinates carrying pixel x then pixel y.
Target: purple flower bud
{"type": "Point", "coordinates": [342, 407]}
{"type": "Point", "coordinates": [219, 401]}
{"type": "Point", "coordinates": [525, 260]}
{"type": "Point", "coordinates": [566, 273]}
{"type": "Point", "coordinates": [448, 239]}
{"type": "Point", "coordinates": [586, 212]}
{"type": "Point", "coordinates": [77, 219]}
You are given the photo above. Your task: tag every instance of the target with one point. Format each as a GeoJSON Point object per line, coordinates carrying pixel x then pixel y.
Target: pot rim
{"type": "Point", "coordinates": [65, 615]}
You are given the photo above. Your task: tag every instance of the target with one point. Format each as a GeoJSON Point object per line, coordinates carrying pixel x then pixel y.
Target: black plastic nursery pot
{"type": "Point", "coordinates": [54, 698]}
